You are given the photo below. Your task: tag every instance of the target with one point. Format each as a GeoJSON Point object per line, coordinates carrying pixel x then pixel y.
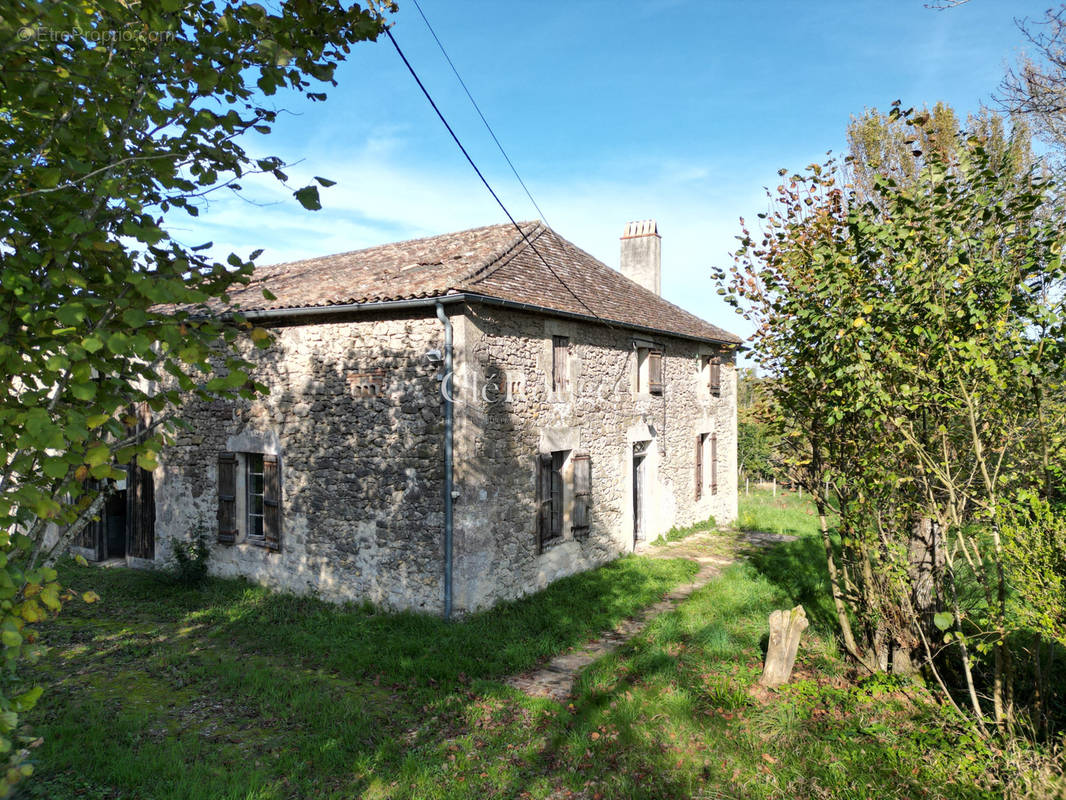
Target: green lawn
{"type": "Point", "coordinates": [230, 691]}
{"type": "Point", "coordinates": [786, 513]}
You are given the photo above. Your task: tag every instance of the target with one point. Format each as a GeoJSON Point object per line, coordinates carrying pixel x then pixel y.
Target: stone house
{"type": "Point", "coordinates": [452, 421]}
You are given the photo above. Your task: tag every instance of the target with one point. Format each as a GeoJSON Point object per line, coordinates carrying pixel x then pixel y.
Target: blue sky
{"type": "Point", "coordinates": [612, 110]}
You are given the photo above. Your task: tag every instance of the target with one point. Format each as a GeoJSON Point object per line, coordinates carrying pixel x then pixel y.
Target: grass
{"type": "Point", "coordinates": [231, 691]}
{"type": "Point", "coordinates": [234, 691]}
{"type": "Point", "coordinates": [786, 513]}
{"type": "Point", "coordinates": [676, 534]}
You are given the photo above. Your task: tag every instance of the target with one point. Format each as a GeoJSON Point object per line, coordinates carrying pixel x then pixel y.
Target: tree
{"type": "Point", "coordinates": [1035, 88]}
{"type": "Point", "coordinates": [915, 339]}
{"type": "Point", "coordinates": [756, 438]}
{"type": "Point", "coordinates": [884, 146]}
{"type": "Point", "coordinates": [114, 117]}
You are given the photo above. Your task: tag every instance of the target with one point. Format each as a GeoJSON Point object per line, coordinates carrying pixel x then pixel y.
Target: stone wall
{"type": "Point", "coordinates": [355, 416]}
{"type": "Point", "coordinates": [508, 412]}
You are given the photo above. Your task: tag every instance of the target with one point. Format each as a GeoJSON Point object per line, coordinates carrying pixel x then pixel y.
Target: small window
{"type": "Point", "coordinates": [714, 382]}
{"type": "Point", "coordinates": [560, 355]}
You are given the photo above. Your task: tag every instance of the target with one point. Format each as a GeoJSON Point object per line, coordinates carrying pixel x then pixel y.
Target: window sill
{"type": "Point", "coordinates": [551, 543]}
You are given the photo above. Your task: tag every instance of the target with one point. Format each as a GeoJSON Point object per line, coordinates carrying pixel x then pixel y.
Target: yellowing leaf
{"type": "Point", "coordinates": [97, 455]}
{"type": "Point", "coordinates": [90, 597]}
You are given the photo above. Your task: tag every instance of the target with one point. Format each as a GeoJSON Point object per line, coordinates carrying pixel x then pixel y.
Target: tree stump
{"type": "Point", "coordinates": [786, 627]}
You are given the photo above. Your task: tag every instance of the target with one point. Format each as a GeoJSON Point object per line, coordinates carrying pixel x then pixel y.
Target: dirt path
{"type": "Point", "coordinates": [712, 550]}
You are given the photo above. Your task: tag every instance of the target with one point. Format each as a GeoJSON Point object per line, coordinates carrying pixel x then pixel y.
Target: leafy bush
{"type": "Point", "coordinates": [190, 559]}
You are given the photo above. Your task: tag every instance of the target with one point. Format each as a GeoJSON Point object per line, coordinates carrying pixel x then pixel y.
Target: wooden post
{"type": "Point", "coordinates": [775, 486]}
{"type": "Point", "coordinates": [786, 627]}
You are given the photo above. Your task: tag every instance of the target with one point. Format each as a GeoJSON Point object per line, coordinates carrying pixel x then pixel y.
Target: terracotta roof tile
{"type": "Point", "coordinates": [494, 261]}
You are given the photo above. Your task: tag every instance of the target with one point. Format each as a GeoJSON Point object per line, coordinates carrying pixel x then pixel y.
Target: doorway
{"type": "Point", "coordinates": [640, 481]}
{"type": "Point", "coordinates": [126, 525]}
{"type": "Point", "coordinates": [114, 523]}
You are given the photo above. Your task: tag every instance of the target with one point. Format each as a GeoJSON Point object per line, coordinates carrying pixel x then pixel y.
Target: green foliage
{"type": "Point", "coordinates": [912, 327]}
{"type": "Point", "coordinates": [114, 118]}
{"type": "Point", "coordinates": [190, 559]}
{"type": "Point", "coordinates": [1034, 543]}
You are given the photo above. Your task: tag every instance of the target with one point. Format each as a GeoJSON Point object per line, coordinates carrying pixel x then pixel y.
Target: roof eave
{"type": "Point", "coordinates": [297, 314]}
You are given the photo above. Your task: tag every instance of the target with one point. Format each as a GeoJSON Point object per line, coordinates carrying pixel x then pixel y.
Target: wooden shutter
{"type": "Point", "coordinates": [699, 466]}
{"type": "Point", "coordinates": [655, 372]}
{"type": "Point", "coordinates": [140, 512]}
{"type": "Point", "coordinates": [560, 348]}
{"type": "Point", "coordinates": [715, 383]}
{"type": "Point", "coordinates": [714, 463]}
{"type": "Point", "coordinates": [544, 499]}
{"type": "Point", "coordinates": [227, 498]}
{"type": "Point", "coordinates": [582, 492]}
{"type": "Point", "coordinates": [271, 503]}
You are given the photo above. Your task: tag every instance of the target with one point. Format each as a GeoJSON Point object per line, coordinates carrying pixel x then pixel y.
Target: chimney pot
{"type": "Point", "coordinates": [641, 254]}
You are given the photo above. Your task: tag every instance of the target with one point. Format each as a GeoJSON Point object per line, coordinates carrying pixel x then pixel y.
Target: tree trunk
{"type": "Point", "coordinates": [925, 565]}
{"type": "Point", "coordinates": [786, 628]}
{"type": "Point", "coordinates": [834, 587]}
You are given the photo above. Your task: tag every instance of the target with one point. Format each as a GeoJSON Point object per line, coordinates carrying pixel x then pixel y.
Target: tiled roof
{"type": "Point", "coordinates": [494, 261]}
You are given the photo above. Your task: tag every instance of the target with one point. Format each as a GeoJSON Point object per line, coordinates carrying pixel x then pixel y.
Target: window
{"type": "Point", "coordinates": [559, 505]}
{"type": "Point", "coordinates": [253, 482]}
{"type": "Point", "coordinates": [714, 463]}
{"type": "Point", "coordinates": [550, 497]}
{"type": "Point", "coordinates": [249, 499]}
{"type": "Point", "coordinates": [560, 352]}
{"type": "Point", "coordinates": [649, 371]}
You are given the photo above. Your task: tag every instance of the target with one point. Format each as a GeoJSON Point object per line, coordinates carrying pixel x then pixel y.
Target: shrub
{"type": "Point", "coordinates": [190, 559]}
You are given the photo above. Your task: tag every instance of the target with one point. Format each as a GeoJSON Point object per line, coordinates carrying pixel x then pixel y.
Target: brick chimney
{"type": "Point", "coordinates": [641, 246]}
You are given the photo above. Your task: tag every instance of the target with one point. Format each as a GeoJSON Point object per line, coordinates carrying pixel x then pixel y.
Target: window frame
{"type": "Point", "coordinates": [563, 497]}
{"type": "Point", "coordinates": [647, 355]}
{"type": "Point", "coordinates": [251, 461]}
{"type": "Point", "coordinates": [237, 506]}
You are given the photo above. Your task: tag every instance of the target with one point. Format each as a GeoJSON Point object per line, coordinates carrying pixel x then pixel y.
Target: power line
{"type": "Point", "coordinates": [495, 196]}
{"type": "Point", "coordinates": [477, 108]}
